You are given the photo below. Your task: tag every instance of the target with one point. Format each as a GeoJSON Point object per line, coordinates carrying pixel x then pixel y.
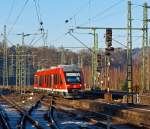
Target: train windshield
{"type": "Point", "coordinates": [73, 77]}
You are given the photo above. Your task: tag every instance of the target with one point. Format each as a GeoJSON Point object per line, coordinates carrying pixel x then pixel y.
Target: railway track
{"type": "Point", "coordinates": [13, 116]}
{"type": "Point", "coordinates": [46, 113]}
{"type": "Point", "coordinates": [102, 119]}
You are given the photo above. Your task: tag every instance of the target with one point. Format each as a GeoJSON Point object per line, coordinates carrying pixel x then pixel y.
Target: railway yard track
{"type": "Point", "coordinates": [97, 119]}
{"type": "Point", "coordinates": [14, 116]}
{"type": "Point", "coordinates": [44, 112]}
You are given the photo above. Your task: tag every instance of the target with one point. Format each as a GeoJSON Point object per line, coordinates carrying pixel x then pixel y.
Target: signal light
{"type": "Point", "coordinates": [109, 48]}
{"type": "Point", "coordinates": [108, 51]}
{"type": "Point", "coordinates": [99, 62]}
{"type": "Point", "coordinates": [109, 37]}
{"type": "Point", "coordinates": [98, 58]}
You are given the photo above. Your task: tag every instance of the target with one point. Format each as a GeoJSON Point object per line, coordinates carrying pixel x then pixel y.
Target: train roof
{"type": "Point", "coordinates": [69, 68]}
{"type": "Point", "coordinates": [64, 67]}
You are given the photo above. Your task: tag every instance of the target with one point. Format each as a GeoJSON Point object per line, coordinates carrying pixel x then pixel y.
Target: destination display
{"type": "Point", "coordinates": [72, 74]}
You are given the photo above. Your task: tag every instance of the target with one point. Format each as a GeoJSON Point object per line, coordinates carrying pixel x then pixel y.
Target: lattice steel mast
{"type": "Point", "coordinates": [5, 59]}
{"type": "Point", "coordinates": [129, 50]}
{"type": "Point", "coordinates": [94, 59]}
{"type": "Point", "coordinates": [145, 53]}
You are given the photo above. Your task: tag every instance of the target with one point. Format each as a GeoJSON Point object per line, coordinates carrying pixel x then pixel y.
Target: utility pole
{"type": "Point", "coordinates": [80, 61]}
{"type": "Point", "coordinates": [5, 59]}
{"type": "Point", "coordinates": [129, 51]}
{"type": "Point", "coordinates": [21, 60]}
{"type": "Point", "coordinates": [11, 67]}
{"type": "Point", "coordinates": [18, 63]}
{"type": "Point", "coordinates": [28, 69]}
{"type": "Point", "coordinates": [145, 52]}
{"type": "Point", "coordinates": [94, 59]}
{"type": "Point", "coordinates": [23, 64]}
{"type": "Point", "coordinates": [63, 61]}
{"type": "Point", "coordinates": [129, 44]}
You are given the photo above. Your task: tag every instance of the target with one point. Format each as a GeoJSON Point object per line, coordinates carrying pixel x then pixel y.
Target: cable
{"type": "Point", "coordinates": [10, 42]}
{"type": "Point", "coordinates": [89, 12]}
{"type": "Point", "coordinates": [37, 8]}
{"type": "Point", "coordinates": [104, 11]}
{"type": "Point", "coordinates": [32, 41]}
{"type": "Point", "coordinates": [36, 41]}
{"type": "Point", "coordinates": [11, 10]}
{"type": "Point", "coordinates": [81, 8]}
{"type": "Point", "coordinates": [58, 38]}
{"type": "Point", "coordinates": [17, 18]}
{"type": "Point", "coordinates": [137, 5]}
{"type": "Point", "coordinates": [80, 41]}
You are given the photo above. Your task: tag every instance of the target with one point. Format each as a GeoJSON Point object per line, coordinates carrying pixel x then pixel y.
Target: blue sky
{"type": "Point", "coordinates": [101, 13]}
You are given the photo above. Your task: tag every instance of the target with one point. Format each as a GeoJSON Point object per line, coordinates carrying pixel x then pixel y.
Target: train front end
{"type": "Point", "coordinates": [74, 81]}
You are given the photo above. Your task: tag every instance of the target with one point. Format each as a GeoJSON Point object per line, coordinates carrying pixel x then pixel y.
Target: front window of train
{"type": "Point", "coordinates": [73, 77]}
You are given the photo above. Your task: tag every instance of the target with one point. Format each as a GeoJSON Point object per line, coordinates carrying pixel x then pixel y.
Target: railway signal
{"type": "Point", "coordinates": [108, 37]}
{"type": "Point", "coordinates": [98, 62]}
{"type": "Point", "coordinates": [109, 47]}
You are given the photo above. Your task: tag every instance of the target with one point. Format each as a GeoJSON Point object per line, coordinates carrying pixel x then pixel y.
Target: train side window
{"type": "Point", "coordinates": [50, 80]}
{"type": "Point", "coordinates": [60, 79]}
{"type": "Point", "coordinates": [55, 79]}
{"type": "Point", "coordinates": [47, 81]}
{"type": "Point", "coordinates": [40, 81]}
{"type": "Point", "coordinates": [44, 79]}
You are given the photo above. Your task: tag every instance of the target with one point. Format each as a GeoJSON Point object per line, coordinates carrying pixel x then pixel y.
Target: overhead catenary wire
{"type": "Point", "coordinates": [18, 16]}
{"type": "Point", "coordinates": [10, 42]}
{"type": "Point", "coordinates": [33, 43]}
{"type": "Point", "coordinates": [70, 33]}
{"type": "Point", "coordinates": [32, 40]}
{"type": "Point", "coordinates": [37, 8]}
{"type": "Point", "coordinates": [42, 30]}
{"type": "Point", "coordinates": [101, 13]}
{"type": "Point", "coordinates": [39, 17]}
{"type": "Point", "coordinates": [80, 9]}
{"type": "Point", "coordinates": [11, 10]}
{"type": "Point", "coordinates": [137, 5]}
{"type": "Point", "coordinates": [58, 38]}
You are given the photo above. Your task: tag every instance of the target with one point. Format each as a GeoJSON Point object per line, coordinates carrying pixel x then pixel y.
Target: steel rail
{"type": "Point", "coordinates": [24, 113]}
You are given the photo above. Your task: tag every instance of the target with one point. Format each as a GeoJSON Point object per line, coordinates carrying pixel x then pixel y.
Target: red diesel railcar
{"type": "Point", "coordinates": [66, 80]}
